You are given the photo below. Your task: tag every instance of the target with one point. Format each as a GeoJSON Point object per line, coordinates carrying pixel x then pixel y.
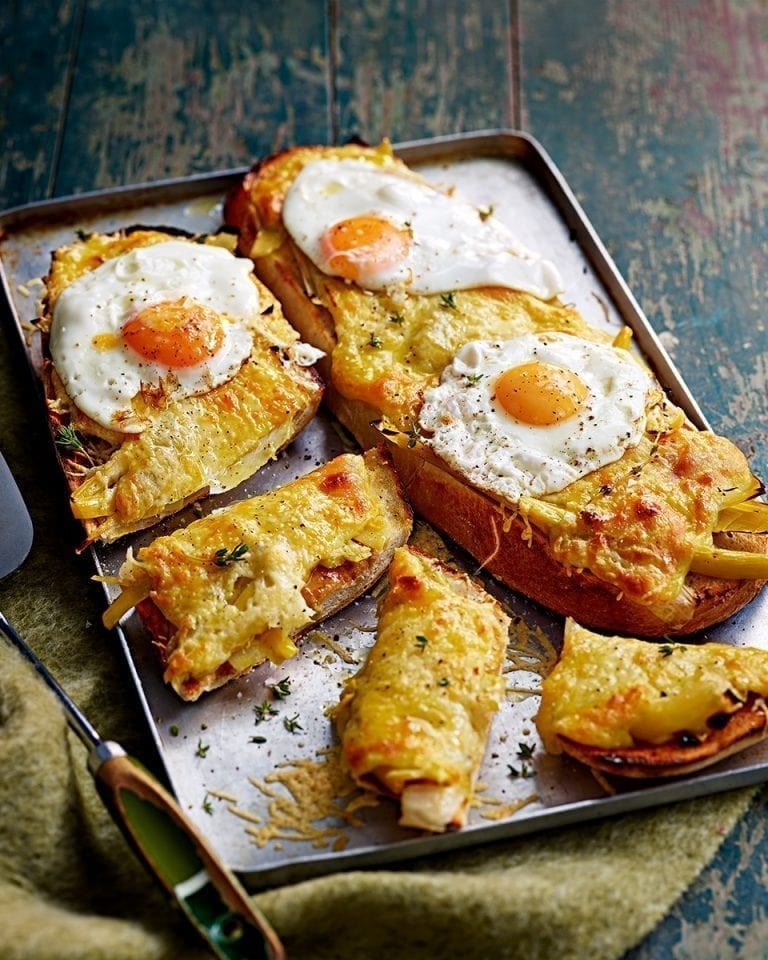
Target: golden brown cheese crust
{"type": "Point", "coordinates": [122, 483]}
{"type": "Point", "coordinates": [418, 713]}
{"type": "Point", "coordinates": [239, 586]}
{"type": "Point", "coordinates": [635, 708]}
{"type": "Point", "coordinates": [520, 555]}
{"type": "Point", "coordinates": [618, 550]}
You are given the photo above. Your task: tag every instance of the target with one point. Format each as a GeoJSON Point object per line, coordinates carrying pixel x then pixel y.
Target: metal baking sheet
{"type": "Point", "coordinates": [259, 774]}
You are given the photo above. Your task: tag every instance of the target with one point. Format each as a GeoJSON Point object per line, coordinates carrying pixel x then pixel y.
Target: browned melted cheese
{"type": "Point", "coordinates": [231, 587]}
{"type": "Point", "coordinates": [619, 692]}
{"type": "Point", "coordinates": [638, 522]}
{"type": "Point", "coordinates": [418, 713]}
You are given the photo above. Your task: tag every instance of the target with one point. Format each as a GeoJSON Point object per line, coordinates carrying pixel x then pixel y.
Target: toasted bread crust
{"type": "Point", "coordinates": [736, 731]}
{"type": "Point", "coordinates": [514, 551]}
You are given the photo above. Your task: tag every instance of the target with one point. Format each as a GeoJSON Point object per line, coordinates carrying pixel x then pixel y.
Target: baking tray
{"type": "Point", "coordinates": [260, 774]}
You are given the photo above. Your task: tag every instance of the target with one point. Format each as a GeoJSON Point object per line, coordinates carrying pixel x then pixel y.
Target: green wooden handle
{"type": "Point", "coordinates": [183, 861]}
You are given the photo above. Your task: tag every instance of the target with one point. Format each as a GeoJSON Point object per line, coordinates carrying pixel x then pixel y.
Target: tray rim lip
{"type": "Point", "coordinates": [130, 190]}
{"type": "Point", "coordinates": [224, 173]}
{"type": "Point", "coordinates": [453, 146]}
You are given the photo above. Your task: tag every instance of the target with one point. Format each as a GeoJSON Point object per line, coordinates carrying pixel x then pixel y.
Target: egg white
{"type": "Point", "coordinates": [453, 246]}
{"type": "Point", "coordinates": [102, 381]}
{"type": "Point", "coordinates": [466, 427]}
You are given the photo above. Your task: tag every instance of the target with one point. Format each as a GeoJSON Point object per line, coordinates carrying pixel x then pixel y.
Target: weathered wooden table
{"type": "Point", "coordinates": [656, 113]}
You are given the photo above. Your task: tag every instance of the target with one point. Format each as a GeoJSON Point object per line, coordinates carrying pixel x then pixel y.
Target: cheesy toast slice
{"type": "Point", "coordinates": [241, 585]}
{"type": "Point", "coordinates": [414, 720]}
{"type": "Point", "coordinates": [665, 538]}
{"type": "Point", "coordinates": [640, 709]}
{"type": "Point", "coordinates": [125, 307]}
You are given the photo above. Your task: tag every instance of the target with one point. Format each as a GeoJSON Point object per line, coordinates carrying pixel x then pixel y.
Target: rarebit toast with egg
{"type": "Point", "coordinates": [643, 710]}
{"type": "Point", "coordinates": [414, 720]}
{"type": "Point", "coordinates": [240, 586]}
{"type": "Point", "coordinates": [169, 373]}
{"type": "Point", "coordinates": [539, 443]}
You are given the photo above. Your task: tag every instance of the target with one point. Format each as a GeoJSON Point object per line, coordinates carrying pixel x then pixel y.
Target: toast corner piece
{"type": "Point", "coordinates": [635, 709]}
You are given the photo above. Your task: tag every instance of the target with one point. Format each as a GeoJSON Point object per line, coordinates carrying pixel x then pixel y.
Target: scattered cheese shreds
{"type": "Point", "coordinates": [304, 795]}
{"type": "Point", "coordinates": [503, 811]}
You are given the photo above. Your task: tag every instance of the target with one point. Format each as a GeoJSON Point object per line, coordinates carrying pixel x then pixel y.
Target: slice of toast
{"type": "Point", "coordinates": [241, 585]}
{"type": "Point", "coordinates": [186, 446]}
{"type": "Point", "coordinates": [667, 540]}
{"type": "Point", "coordinates": [415, 719]}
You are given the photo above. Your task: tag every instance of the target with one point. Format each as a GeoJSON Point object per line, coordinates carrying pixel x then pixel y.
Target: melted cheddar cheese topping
{"type": "Point", "coordinates": [617, 692]}
{"type": "Point", "coordinates": [193, 445]}
{"type": "Point", "coordinates": [636, 524]}
{"type": "Point", "coordinates": [231, 584]}
{"type": "Point", "coordinates": [419, 710]}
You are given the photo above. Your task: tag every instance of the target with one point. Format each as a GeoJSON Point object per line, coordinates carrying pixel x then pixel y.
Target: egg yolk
{"type": "Point", "coordinates": [178, 334]}
{"type": "Point", "coordinates": [364, 244]}
{"type": "Point", "coordinates": [539, 393]}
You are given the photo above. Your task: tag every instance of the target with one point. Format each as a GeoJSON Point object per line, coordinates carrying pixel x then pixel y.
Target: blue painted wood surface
{"type": "Point", "coordinates": [656, 113]}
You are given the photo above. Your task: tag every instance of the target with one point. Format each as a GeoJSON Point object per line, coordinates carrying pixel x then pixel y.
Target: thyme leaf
{"type": "Point", "coordinates": [264, 711]}
{"type": "Point", "coordinates": [282, 689]}
{"type": "Point", "coordinates": [292, 724]}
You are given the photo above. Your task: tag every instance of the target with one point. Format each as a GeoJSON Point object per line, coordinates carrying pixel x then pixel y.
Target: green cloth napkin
{"type": "Point", "coordinates": [70, 889]}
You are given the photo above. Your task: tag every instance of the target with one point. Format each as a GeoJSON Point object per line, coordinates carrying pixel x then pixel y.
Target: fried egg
{"type": "Point", "coordinates": [381, 230]}
{"type": "Point", "coordinates": [530, 415]}
{"type": "Point", "coordinates": [171, 318]}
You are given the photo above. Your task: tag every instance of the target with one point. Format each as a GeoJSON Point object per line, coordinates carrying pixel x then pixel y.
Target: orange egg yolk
{"type": "Point", "coordinates": [540, 394]}
{"type": "Point", "coordinates": [178, 334]}
{"type": "Point", "coordinates": [364, 244]}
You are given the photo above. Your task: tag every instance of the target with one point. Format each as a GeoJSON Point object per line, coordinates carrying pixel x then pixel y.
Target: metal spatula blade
{"type": "Point", "coordinates": [170, 844]}
{"type": "Point", "coordinates": [16, 531]}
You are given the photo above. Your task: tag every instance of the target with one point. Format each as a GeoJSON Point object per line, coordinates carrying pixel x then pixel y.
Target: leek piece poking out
{"type": "Point", "coordinates": [730, 564]}
{"type": "Point", "coordinates": [750, 516]}
{"type": "Point", "coordinates": [122, 604]}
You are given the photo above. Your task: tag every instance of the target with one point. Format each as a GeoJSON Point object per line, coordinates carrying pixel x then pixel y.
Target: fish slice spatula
{"type": "Point", "coordinates": [170, 844]}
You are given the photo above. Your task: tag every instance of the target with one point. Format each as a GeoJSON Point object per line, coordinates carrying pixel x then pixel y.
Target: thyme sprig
{"type": "Point", "coordinates": [224, 557]}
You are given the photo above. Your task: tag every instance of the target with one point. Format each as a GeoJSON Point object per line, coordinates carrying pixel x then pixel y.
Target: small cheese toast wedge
{"type": "Point", "coordinates": [539, 443]}
{"type": "Point", "coordinates": [169, 373]}
{"type": "Point", "coordinates": [241, 585]}
{"type": "Point", "coordinates": [643, 710]}
{"type": "Point", "coordinates": [414, 720]}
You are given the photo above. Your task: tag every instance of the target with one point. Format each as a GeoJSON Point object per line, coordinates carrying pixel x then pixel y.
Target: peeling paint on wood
{"type": "Point", "coordinates": [35, 69]}
{"type": "Point", "coordinates": [419, 68]}
{"type": "Point", "coordinates": [165, 90]}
